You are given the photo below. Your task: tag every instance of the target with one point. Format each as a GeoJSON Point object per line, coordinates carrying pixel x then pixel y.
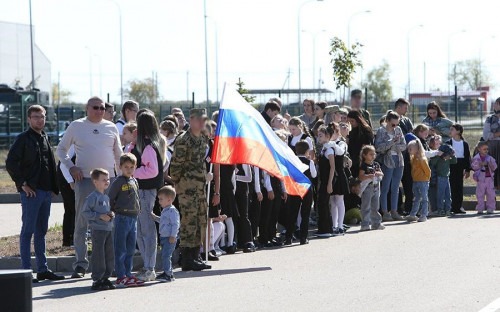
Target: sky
{"type": "Point", "coordinates": [256, 41]}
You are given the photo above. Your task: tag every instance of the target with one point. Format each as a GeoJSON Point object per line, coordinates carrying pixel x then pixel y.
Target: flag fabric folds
{"type": "Point", "coordinates": [244, 137]}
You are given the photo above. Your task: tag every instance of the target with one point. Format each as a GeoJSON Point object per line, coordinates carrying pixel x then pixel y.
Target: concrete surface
{"type": "Point", "coordinates": [445, 264]}
{"type": "Point", "coordinates": [10, 218]}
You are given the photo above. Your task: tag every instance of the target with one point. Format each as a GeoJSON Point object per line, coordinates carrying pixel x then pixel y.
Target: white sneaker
{"type": "Point", "coordinates": [147, 276]}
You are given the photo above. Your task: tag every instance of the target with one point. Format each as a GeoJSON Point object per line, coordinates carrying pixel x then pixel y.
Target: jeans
{"type": "Point", "coordinates": [420, 199]}
{"type": "Point", "coordinates": [35, 217]}
{"type": "Point", "coordinates": [103, 257]}
{"type": "Point", "coordinates": [167, 249]}
{"type": "Point", "coordinates": [147, 237]}
{"type": "Point", "coordinates": [124, 240]}
{"type": "Point", "coordinates": [443, 194]}
{"type": "Point", "coordinates": [369, 206]}
{"type": "Point", "coordinates": [390, 181]}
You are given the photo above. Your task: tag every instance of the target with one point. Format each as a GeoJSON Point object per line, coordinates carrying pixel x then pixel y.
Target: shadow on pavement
{"type": "Point", "coordinates": [190, 274]}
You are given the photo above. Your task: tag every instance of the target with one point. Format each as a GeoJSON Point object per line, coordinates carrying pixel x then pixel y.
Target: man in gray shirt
{"type": "Point", "coordinates": [97, 145]}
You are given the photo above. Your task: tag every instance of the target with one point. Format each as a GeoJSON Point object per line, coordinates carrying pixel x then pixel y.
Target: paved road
{"type": "Point", "coordinates": [442, 265]}
{"type": "Point", "coordinates": [10, 218]}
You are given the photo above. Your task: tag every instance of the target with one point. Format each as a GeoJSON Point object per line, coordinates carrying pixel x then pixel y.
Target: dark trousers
{"type": "Point", "coordinates": [269, 217]}
{"type": "Point", "coordinates": [408, 190]}
{"type": "Point", "coordinates": [68, 226]}
{"type": "Point", "coordinates": [254, 213]}
{"type": "Point", "coordinates": [457, 184]}
{"type": "Point", "coordinates": [103, 255]}
{"type": "Point", "coordinates": [324, 218]}
{"type": "Point", "coordinates": [295, 203]}
{"type": "Point", "coordinates": [243, 225]}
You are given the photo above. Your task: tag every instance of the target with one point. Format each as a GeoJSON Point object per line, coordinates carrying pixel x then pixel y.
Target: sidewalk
{"type": "Point", "coordinates": [10, 218]}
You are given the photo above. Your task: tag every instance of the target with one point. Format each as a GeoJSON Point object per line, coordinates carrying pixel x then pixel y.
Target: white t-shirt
{"type": "Point", "coordinates": [297, 138]}
{"type": "Point", "coordinates": [458, 146]}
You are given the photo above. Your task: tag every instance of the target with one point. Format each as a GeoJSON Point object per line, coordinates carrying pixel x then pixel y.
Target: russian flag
{"type": "Point", "coordinates": [244, 137]}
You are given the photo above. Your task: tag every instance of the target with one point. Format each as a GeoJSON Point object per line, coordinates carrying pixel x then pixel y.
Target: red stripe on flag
{"type": "Point", "coordinates": [293, 188]}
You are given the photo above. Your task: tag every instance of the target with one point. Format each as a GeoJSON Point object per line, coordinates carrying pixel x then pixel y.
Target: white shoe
{"type": "Point", "coordinates": [147, 276]}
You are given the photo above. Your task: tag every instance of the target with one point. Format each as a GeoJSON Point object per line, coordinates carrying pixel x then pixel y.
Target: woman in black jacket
{"type": "Point", "coordinates": [460, 170]}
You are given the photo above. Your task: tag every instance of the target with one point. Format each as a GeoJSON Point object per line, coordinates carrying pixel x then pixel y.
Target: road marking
{"type": "Point", "coordinates": [492, 307]}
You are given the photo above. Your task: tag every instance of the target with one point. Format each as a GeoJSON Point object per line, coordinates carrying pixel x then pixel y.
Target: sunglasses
{"type": "Point", "coordinates": [101, 108]}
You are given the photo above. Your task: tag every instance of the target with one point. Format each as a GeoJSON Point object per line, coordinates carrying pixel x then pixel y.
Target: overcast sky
{"type": "Point", "coordinates": [257, 41]}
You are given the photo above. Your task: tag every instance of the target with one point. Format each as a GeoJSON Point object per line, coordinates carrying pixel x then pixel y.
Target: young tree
{"type": "Point", "coordinates": [345, 60]}
{"type": "Point", "coordinates": [470, 74]}
{"type": "Point", "coordinates": [378, 83]}
{"type": "Point", "coordinates": [141, 91]}
{"type": "Point", "coordinates": [60, 96]}
{"type": "Point", "coordinates": [244, 92]}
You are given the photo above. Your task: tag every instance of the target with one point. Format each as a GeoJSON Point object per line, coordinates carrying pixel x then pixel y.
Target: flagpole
{"type": "Point", "coordinates": [208, 208]}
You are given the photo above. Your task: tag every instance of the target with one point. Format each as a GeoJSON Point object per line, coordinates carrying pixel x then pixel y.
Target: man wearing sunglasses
{"type": "Point", "coordinates": [97, 145]}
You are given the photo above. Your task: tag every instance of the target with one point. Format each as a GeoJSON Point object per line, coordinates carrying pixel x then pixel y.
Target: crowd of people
{"type": "Point", "coordinates": [140, 184]}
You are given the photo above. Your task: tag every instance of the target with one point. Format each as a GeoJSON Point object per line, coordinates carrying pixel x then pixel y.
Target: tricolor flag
{"type": "Point", "coordinates": [244, 137]}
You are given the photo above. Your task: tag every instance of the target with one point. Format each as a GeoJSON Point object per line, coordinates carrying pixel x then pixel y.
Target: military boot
{"type": "Point", "coordinates": [187, 259]}
{"type": "Point", "coordinates": [198, 263]}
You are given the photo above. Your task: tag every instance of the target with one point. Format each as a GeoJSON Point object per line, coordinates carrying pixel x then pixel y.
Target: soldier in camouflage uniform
{"type": "Point", "coordinates": [189, 174]}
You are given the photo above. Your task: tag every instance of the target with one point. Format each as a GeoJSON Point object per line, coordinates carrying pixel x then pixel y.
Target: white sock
{"type": "Point", "coordinates": [212, 236]}
{"type": "Point", "coordinates": [219, 229]}
{"type": "Point", "coordinates": [230, 231]}
{"type": "Point", "coordinates": [334, 211]}
{"type": "Point", "coordinates": [339, 200]}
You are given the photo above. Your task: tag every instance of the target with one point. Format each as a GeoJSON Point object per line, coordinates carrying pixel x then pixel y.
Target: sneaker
{"type": "Point", "coordinates": [380, 227]}
{"type": "Point", "coordinates": [365, 228]}
{"type": "Point", "coordinates": [107, 283]}
{"type": "Point", "coordinates": [442, 213]}
{"type": "Point", "coordinates": [422, 219]}
{"type": "Point", "coordinates": [164, 277]}
{"type": "Point", "coordinates": [48, 275]}
{"type": "Point", "coordinates": [387, 217]}
{"type": "Point", "coordinates": [433, 214]}
{"type": "Point", "coordinates": [396, 216]}
{"type": "Point", "coordinates": [480, 212]}
{"type": "Point", "coordinates": [338, 232]}
{"type": "Point", "coordinates": [448, 213]}
{"type": "Point", "coordinates": [304, 241]}
{"type": "Point", "coordinates": [489, 212]}
{"type": "Point", "coordinates": [96, 285]}
{"type": "Point", "coordinates": [78, 273]}
{"type": "Point", "coordinates": [147, 276]}
{"type": "Point", "coordinates": [134, 280]}
{"type": "Point", "coordinates": [412, 218]}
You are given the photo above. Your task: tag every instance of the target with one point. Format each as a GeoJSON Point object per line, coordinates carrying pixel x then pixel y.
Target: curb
{"type": "Point", "coordinates": [65, 264]}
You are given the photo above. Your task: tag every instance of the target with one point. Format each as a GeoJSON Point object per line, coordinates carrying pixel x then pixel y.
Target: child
{"type": "Point", "coordinates": [421, 175]}
{"type": "Point", "coordinates": [370, 175]}
{"type": "Point", "coordinates": [442, 168]}
{"type": "Point", "coordinates": [459, 171]}
{"type": "Point", "coordinates": [124, 201]}
{"type": "Point", "coordinates": [97, 211]}
{"type": "Point", "coordinates": [296, 203]}
{"type": "Point", "coordinates": [129, 136]}
{"type": "Point", "coordinates": [484, 167]}
{"type": "Point", "coordinates": [169, 228]}
{"type": "Point", "coordinates": [326, 164]}
{"type": "Point", "coordinates": [341, 184]}
{"type": "Point", "coordinates": [353, 203]}
{"type": "Point", "coordinates": [298, 133]}
{"type": "Point", "coordinates": [434, 144]}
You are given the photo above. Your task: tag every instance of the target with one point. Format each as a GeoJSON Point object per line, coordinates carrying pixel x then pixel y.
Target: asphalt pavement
{"type": "Point", "coordinates": [10, 218]}
{"type": "Point", "coordinates": [445, 264]}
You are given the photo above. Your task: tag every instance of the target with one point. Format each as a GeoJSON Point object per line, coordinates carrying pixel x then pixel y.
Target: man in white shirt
{"type": "Point", "coordinates": [97, 145]}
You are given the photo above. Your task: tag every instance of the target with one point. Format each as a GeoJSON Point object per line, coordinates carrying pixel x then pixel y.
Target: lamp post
{"type": "Point", "coordinates": [408, 50]}
{"type": "Point", "coordinates": [314, 35]}
{"type": "Point", "coordinates": [298, 43]}
{"type": "Point", "coordinates": [449, 62]}
{"type": "Point", "coordinates": [216, 31]}
{"type": "Point", "coordinates": [349, 31]}
{"type": "Point", "coordinates": [33, 83]}
{"type": "Point", "coordinates": [206, 48]}
{"type": "Point", "coordinates": [100, 73]}
{"type": "Point", "coordinates": [121, 48]}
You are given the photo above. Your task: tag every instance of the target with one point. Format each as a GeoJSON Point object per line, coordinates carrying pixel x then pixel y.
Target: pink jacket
{"type": "Point", "coordinates": [148, 169]}
{"type": "Point", "coordinates": [479, 174]}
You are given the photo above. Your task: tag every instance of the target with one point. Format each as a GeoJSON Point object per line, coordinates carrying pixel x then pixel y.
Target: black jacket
{"type": "Point", "coordinates": [24, 161]}
{"type": "Point", "coordinates": [467, 158]}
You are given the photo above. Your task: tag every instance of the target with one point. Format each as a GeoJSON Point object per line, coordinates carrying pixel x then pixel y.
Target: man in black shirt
{"type": "Point", "coordinates": [31, 165]}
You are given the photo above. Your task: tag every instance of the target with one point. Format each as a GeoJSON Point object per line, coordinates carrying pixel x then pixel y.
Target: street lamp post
{"type": "Point", "coordinates": [449, 44]}
{"type": "Point", "coordinates": [314, 35]}
{"type": "Point", "coordinates": [349, 31]}
{"type": "Point", "coordinates": [100, 73]}
{"type": "Point", "coordinates": [408, 50]}
{"type": "Point", "coordinates": [298, 44]}
{"type": "Point", "coordinates": [33, 83]}
{"type": "Point", "coordinates": [216, 31]}
{"type": "Point", "coordinates": [121, 48]}
{"type": "Point", "coordinates": [206, 48]}
{"type": "Point", "coordinates": [90, 71]}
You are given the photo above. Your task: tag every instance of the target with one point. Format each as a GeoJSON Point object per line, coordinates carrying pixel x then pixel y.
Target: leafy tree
{"type": "Point", "coordinates": [244, 92]}
{"type": "Point", "coordinates": [378, 83]}
{"type": "Point", "coordinates": [141, 91]}
{"type": "Point", "coordinates": [63, 94]}
{"type": "Point", "coordinates": [469, 74]}
{"type": "Point", "coordinates": [344, 60]}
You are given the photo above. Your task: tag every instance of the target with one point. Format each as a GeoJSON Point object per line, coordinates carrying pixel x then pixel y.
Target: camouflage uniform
{"type": "Point", "coordinates": [188, 171]}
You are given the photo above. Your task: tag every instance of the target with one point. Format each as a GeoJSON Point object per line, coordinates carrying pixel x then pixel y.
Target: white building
{"type": "Point", "coordinates": [15, 57]}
